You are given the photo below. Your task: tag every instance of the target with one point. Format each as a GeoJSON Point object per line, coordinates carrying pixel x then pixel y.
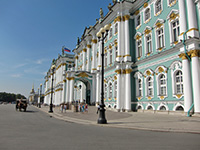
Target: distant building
{"type": "Point", "coordinates": [33, 96]}
{"type": "Point", "coordinates": [151, 59]}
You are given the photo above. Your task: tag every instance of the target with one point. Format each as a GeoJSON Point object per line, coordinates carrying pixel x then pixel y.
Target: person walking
{"type": "Point", "coordinates": [86, 108]}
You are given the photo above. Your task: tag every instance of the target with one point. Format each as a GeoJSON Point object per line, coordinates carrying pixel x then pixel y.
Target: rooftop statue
{"type": "Point", "coordinates": [101, 12]}
{"type": "Point", "coordinates": [109, 6]}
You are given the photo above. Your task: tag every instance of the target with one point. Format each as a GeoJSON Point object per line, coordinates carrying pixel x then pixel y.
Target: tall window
{"type": "Point", "coordinates": [150, 86]}
{"type": "Point", "coordinates": [106, 59]}
{"type": "Point", "coordinates": [110, 90]}
{"type": "Point", "coordinates": [175, 30]}
{"type": "Point", "coordinates": [110, 36]}
{"type": "Point", "coordinates": [116, 28]}
{"type": "Point", "coordinates": [160, 38]}
{"type": "Point", "coordinates": [105, 91]}
{"type": "Point", "coordinates": [148, 43]}
{"type": "Point", "coordinates": [162, 85]}
{"type": "Point", "coordinates": [139, 87]}
{"type": "Point", "coordinates": [138, 22]}
{"type": "Point", "coordinates": [139, 47]}
{"type": "Point", "coordinates": [158, 6]}
{"type": "Point", "coordinates": [116, 51]}
{"type": "Point", "coordinates": [179, 83]}
{"type": "Point", "coordinates": [147, 14]}
{"type": "Point", "coordinates": [115, 94]}
{"type": "Point", "coordinates": [111, 55]}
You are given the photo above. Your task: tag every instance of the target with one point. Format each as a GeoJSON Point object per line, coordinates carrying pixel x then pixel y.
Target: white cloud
{"type": "Point", "coordinates": [40, 61]}
{"type": "Point", "coordinates": [19, 65]}
{"type": "Point", "coordinates": [16, 75]}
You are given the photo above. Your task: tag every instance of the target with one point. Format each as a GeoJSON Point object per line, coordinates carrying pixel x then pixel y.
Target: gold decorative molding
{"type": "Point", "coordinates": [118, 19]}
{"type": "Point", "coordinates": [105, 81]}
{"type": "Point", "coordinates": [162, 97]}
{"type": "Point", "coordinates": [85, 50]}
{"type": "Point", "coordinates": [83, 74]}
{"type": "Point", "coordinates": [118, 71]}
{"type": "Point", "coordinates": [176, 42]}
{"type": "Point", "coordinates": [99, 65]}
{"type": "Point", "coordinates": [178, 96]}
{"type": "Point", "coordinates": [138, 37]}
{"type": "Point", "coordinates": [123, 71]}
{"type": "Point", "coordinates": [64, 80]}
{"type": "Point", "coordinates": [128, 55]}
{"type": "Point", "coordinates": [128, 71]}
{"type": "Point", "coordinates": [183, 56]}
{"type": "Point", "coordinates": [139, 98]}
{"type": "Point", "coordinates": [145, 5]}
{"type": "Point", "coordinates": [119, 55]}
{"type": "Point", "coordinates": [115, 77]}
{"type": "Point", "coordinates": [147, 31]}
{"type": "Point", "coordinates": [149, 97]}
{"type": "Point", "coordinates": [76, 57]}
{"type": "Point", "coordinates": [148, 73]}
{"type": "Point", "coordinates": [173, 16]}
{"type": "Point", "coordinates": [126, 17]}
{"type": "Point", "coordinates": [110, 47]}
{"type": "Point", "coordinates": [94, 69]}
{"type": "Point", "coordinates": [137, 12]}
{"type": "Point", "coordinates": [94, 41]}
{"type": "Point", "coordinates": [160, 69]}
{"type": "Point", "coordinates": [158, 25]}
{"type": "Point", "coordinates": [89, 46]}
{"type": "Point", "coordinates": [194, 53]}
{"type": "Point", "coordinates": [193, 29]}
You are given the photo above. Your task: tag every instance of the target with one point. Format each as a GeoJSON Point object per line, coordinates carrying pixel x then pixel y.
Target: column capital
{"type": "Point", "coordinates": [94, 41]}
{"type": "Point", "coordinates": [194, 53]}
{"type": "Point", "coordinates": [84, 50]}
{"type": "Point", "coordinates": [118, 19]}
{"type": "Point", "coordinates": [126, 17]}
{"type": "Point", "coordinates": [183, 56]}
{"type": "Point", "coordinates": [89, 46]}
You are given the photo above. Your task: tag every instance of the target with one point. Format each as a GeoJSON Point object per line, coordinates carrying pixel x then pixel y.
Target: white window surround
{"type": "Point", "coordinates": [115, 89]}
{"type": "Point", "coordinates": [140, 105]}
{"type": "Point", "coordinates": [138, 21]}
{"type": "Point", "coordinates": [138, 38]}
{"type": "Point", "coordinates": [150, 105]}
{"type": "Point", "coordinates": [163, 105]}
{"type": "Point", "coordinates": [171, 2]}
{"type": "Point", "coordinates": [179, 104]}
{"type": "Point", "coordinates": [171, 19]}
{"type": "Point", "coordinates": [105, 90]}
{"type": "Point", "coordinates": [116, 28]}
{"type": "Point", "coordinates": [161, 70]}
{"type": "Point", "coordinates": [149, 74]}
{"type": "Point", "coordinates": [147, 14]}
{"type": "Point", "coordinates": [111, 56]}
{"type": "Point", "coordinates": [157, 12]}
{"type": "Point", "coordinates": [110, 90]}
{"type": "Point", "coordinates": [175, 67]}
{"type": "Point", "coordinates": [138, 76]}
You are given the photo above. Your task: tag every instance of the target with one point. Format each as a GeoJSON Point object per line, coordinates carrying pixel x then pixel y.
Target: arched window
{"type": "Point", "coordinates": [147, 14]}
{"type": "Point", "coordinates": [139, 47]}
{"type": "Point", "coordinates": [175, 30]}
{"type": "Point", "coordinates": [116, 51]}
{"type": "Point", "coordinates": [149, 108]}
{"type": "Point", "coordinates": [138, 22]}
{"type": "Point", "coordinates": [150, 86]}
{"type": "Point", "coordinates": [158, 6]}
{"type": "Point", "coordinates": [110, 90]}
{"type": "Point", "coordinates": [105, 91]}
{"type": "Point", "coordinates": [148, 44]}
{"type": "Point", "coordinates": [139, 87]}
{"type": "Point", "coordinates": [110, 35]}
{"type": "Point", "coordinates": [115, 94]}
{"type": "Point", "coordinates": [179, 83]}
{"type": "Point", "coordinates": [160, 38]}
{"type": "Point", "coordinates": [163, 108]}
{"type": "Point", "coordinates": [106, 58]}
{"type": "Point", "coordinates": [162, 88]}
{"type": "Point", "coordinates": [111, 55]}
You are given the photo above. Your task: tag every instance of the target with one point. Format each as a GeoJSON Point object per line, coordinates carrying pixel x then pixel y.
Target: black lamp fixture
{"type": "Point", "coordinates": [102, 34]}
{"type": "Point", "coordinates": [51, 104]}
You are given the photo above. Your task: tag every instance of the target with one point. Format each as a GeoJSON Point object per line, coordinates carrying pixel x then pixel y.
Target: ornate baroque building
{"type": "Point", "coordinates": [151, 59]}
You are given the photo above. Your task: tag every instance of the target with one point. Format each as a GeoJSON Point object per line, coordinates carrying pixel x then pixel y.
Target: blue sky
{"type": "Point", "coordinates": [32, 33]}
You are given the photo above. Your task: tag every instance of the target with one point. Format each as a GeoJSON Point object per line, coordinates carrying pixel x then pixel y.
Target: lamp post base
{"type": "Point", "coordinates": [51, 108]}
{"type": "Point", "coordinates": [102, 118]}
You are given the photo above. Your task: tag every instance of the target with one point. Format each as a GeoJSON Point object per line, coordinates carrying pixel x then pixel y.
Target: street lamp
{"type": "Point", "coordinates": [101, 37]}
{"type": "Point", "coordinates": [51, 105]}
{"type": "Point", "coordinates": [40, 95]}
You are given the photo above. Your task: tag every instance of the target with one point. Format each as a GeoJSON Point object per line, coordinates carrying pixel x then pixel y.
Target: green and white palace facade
{"type": "Point", "coordinates": [151, 60]}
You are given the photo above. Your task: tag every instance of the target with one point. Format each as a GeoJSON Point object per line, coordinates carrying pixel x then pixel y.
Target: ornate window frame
{"type": "Point", "coordinates": [110, 90]}
{"type": "Point", "coordinates": [173, 17]}
{"type": "Point", "coordinates": [138, 38]}
{"type": "Point", "coordinates": [138, 20]}
{"type": "Point", "coordinates": [163, 105]}
{"type": "Point", "coordinates": [159, 25]}
{"type": "Point", "coordinates": [148, 33]}
{"type": "Point", "coordinates": [138, 76]}
{"type": "Point", "coordinates": [155, 7]}
{"type": "Point", "coordinates": [149, 74]}
{"type": "Point", "coordinates": [146, 20]}
{"type": "Point", "coordinates": [171, 3]}
{"type": "Point", "coordinates": [161, 70]}
{"type": "Point", "coordinates": [175, 67]}
{"type": "Point", "coordinates": [116, 28]}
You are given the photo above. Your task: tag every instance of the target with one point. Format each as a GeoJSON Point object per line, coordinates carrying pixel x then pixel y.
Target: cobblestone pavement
{"type": "Point", "coordinates": [132, 120]}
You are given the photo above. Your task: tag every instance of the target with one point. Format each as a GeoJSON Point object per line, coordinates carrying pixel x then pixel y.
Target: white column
{"type": "Point", "coordinates": [97, 88]}
{"type": "Point", "coordinates": [192, 19]}
{"type": "Point", "coordinates": [128, 89]}
{"type": "Point", "coordinates": [187, 87]}
{"type": "Point", "coordinates": [196, 80]}
{"type": "Point", "coordinates": [71, 98]}
{"type": "Point", "coordinates": [127, 56]}
{"type": "Point", "coordinates": [84, 59]}
{"type": "Point", "coordinates": [88, 56]}
{"type": "Point", "coordinates": [94, 48]}
{"type": "Point", "coordinates": [182, 18]}
{"type": "Point", "coordinates": [99, 57]}
{"type": "Point", "coordinates": [119, 39]}
{"type": "Point", "coordinates": [123, 90]}
{"type": "Point", "coordinates": [64, 91]}
{"type": "Point", "coordinates": [68, 90]}
{"type": "Point", "coordinates": [118, 71]}
{"type": "Point", "coordinates": [81, 92]}
{"type": "Point", "coordinates": [93, 91]}
{"type": "Point", "coordinates": [76, 63]}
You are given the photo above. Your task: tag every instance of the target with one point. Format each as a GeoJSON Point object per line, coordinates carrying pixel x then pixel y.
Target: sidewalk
{"type": "Point", "coordinates": [131, 120]}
